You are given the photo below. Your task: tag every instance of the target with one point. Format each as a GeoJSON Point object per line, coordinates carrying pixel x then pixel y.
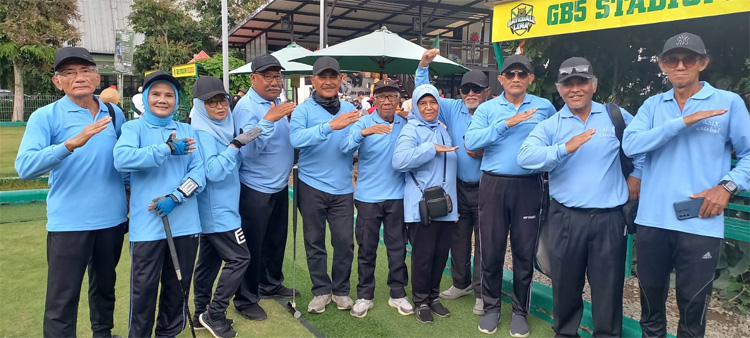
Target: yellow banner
{"type": "Point", "coordinates": [149, 72]}
{"type": "Point", "coordinates": [184, 70]}
{"type": "Point", "coordinates": [534, 18]}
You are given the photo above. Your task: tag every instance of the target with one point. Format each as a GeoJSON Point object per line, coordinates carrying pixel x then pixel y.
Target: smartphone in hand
{"type": "Point", "coordinates": [688, 208]}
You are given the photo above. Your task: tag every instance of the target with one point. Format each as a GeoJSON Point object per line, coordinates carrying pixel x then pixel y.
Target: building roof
{"type": "Point", "coordinates": [99, 20]}
{"type": "Point", "coordinates": [353, 18]}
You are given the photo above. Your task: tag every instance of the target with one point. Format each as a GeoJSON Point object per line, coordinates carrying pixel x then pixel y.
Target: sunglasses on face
{"type": "Point", "coordinates": [672, 61]}
{"type": "Point", "coordinates": [510, 75]}
{"type": "Point", "coordinates": [574, 70]}
{"type": "Point", "coordinates": [467, 88]}
{"type": "Point", "coordinates": [213, 103]}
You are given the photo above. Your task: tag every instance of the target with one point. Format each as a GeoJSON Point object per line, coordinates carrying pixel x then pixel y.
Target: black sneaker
{"type": "Point", "coordinates": [488, 323]}
{"type": "Point", "coordinates": [218, 328]}
{"type": "Point", "coordinates": [253, 312]}
{"type": "Point", "coordinates": [282, 292]}
{"type": "Point", "coordinates": [197, 323]}
{"type": "Point", "coordinates": [438, 309]}
{"type": "Point", "coordinates": [424, 314]}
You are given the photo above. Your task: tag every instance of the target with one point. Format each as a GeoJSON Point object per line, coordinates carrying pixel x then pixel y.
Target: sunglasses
{"type": "Point", "coordinates": [467, 88]}
{"type": "Point", "coordinates": [673, 61]}
{"type": "Point", "coordinates": [510, 75]}
{"type": "Point", "coordinates": [575, 70]}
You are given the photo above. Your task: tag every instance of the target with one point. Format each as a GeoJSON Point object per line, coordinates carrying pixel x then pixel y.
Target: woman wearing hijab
{"type": "Point", "coordinates": [158, 152]}
{"type": "Point", "coordinates": [222, 239]}
{"type": "Point", "coordinates": [425, 153]}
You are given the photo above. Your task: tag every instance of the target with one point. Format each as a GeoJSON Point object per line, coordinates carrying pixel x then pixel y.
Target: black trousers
{"type": "Point", "coordinates": [694, 259]}
{"type": "Point", "coordinates": [587, 244]}
{"type": "Point", "coordinates": [429, 253]}
{"type": "Point", "coordinates": [468, 224]}
{"type": "Point", "coordinates": [265, 223]}
{"type": "Point", "coordinates": [369, 217]}
{"type": "Point", "coordinates": [150, 265]}
{"type": "Point", "coordinates": [215, 248]}
{"type": "Point", "coordinates": [68, 255]}
{"type": "Point", "coordinates": [508, 204]}
{"type": "Point", "coordinates": [316, 207]}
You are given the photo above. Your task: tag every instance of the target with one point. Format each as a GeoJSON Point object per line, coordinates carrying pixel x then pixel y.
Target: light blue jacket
{"type": "Point", "coordinates": [455, 114]}
{"type": "Point", "coordinates": [321, 164]}
{"type": "Point", "coordinates": [155, 172]}
{"type": "Point", "coordinates": [592, 176]}
{"type": "Point", "coordinates": [415, 154]}
{"type": "Point", "coordinates": [267, 161]}
{"type": "Point", "coordinates": [489, 130]}
{"type": "Point", "coordinates": [377, 181]}
{"type": "Point", "coordinates": [218, 204]}
{"type": "Point", "coordinates": [86, 192]}
{"type": "Point", "coordinates": [682, 161]}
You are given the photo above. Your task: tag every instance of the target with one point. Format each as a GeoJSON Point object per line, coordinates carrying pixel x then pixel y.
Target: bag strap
{"type": "Point", "coordinates": [445, 164]}
{"type": "Point", "coordinates": [615, 114]}
{"type": "Point", "coordinates": [112, 115]}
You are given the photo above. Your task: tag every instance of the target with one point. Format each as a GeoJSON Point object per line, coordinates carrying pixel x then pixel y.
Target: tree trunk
{"type": "Point", "coordinates": [18, 90]}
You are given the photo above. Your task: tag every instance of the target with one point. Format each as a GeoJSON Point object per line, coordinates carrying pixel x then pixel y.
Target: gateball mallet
{"type": "Point", "coordinates": [292, 306]}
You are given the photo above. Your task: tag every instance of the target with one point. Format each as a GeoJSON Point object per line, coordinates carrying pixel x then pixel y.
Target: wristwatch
{"type": "Point", "coordinates": [730, 186]}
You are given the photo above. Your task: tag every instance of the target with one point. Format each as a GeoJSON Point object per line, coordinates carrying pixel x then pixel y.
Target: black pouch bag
{"type": "Point", "coordinates": [435, 201]}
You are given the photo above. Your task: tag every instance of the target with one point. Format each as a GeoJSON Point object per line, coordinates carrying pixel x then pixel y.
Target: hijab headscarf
{"type": "Point", "coordinates": [420, 92]}
{"type": "Point", "coordinates": [149, 116]}
{"type": "Point", "coordinates": [222, 130]}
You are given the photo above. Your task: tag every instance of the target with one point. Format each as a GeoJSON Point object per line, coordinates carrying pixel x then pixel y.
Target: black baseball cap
{"type": "Point", "coordinates": [263, 62]}
{"type": "Point", "coordinates": [687, 41]}
{"type": "Point", "coordinates": [161, 75]}
{"type": "Point", "coordinates": [476, 77]}
{"type": "Point", "coordinates": [516, 60]}
{"type": "Point", "coordinates": [324, 63]}
{"type": "Point", "coordinates": [575, 67]}
{"type": "Point", "coordinates": [207, 87]}
{"type": "Point", "coordinates": [66, 54]}
{"type": "Point", "coordinates": [386, 84]}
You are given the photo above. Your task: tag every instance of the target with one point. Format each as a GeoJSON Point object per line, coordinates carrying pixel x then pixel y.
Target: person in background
{"type": "Point", "coordinates": [138, 103]}
{"type": "Point", "coordinates": [240, 93]}
{"type": "Point", "coordinates": [425, 154]}
{"type": "Point", "coordinates": [72, 139]}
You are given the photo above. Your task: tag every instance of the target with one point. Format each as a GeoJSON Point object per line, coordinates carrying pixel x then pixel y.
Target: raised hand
{"type": "Point", "coordinates": [87, 133]}
{"type": "Point", "coordinates": [246, 137]}
{"type": "Point", "coordinates": [277, 112]}
{"type": "Point", "coordinates": [345, 119]}
{"type": "Point", "coordinates": [577, 141]}
{"type": "Point", "coordinates": [180, 146]}
{"type": "Point", "coordinates": [520, 117]}
{"type": "Point", "coordinates": [428, 56]}
{"type": "Point", "coordinates": [376, 129]}
{"type": "Point", "coordinates": [701, 115]}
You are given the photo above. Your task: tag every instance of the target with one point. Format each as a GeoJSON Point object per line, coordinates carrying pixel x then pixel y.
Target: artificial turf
{"type": "Point", "coordinates": [23, 278]}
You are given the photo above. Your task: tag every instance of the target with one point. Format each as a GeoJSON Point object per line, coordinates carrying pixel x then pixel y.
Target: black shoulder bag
{"type": "Point", "coordinates": [435, 201]}
{"type": "Point", "coordinates": [630, 209]}
{"type": "Point", "coordinates": [126, 225]}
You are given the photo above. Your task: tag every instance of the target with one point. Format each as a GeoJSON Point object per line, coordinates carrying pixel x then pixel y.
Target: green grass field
{"type": "Point", "coordinates": [10, 139]}
{"type": "Point", "coordinates": [23, 279]}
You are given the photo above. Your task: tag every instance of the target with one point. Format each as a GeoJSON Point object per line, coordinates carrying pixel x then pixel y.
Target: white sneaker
{"type": "Point", "coordinates": [318, 304]}
{"type": "Point", "coordinates": [479, 307]}
{"type": "Point", "coordinates": [403, 305]}
{"type": "Point", "coordinates": [343, 302]}
{"type": "Point", "coordinates": [454, 292]}
{"type": "Point", "coordinates": [360, 308]}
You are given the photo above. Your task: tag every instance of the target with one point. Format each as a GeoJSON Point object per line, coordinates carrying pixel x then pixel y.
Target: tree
{"type": "Point", "coordinates": [30, 31]}
{"type": "Point", "coordinates": [210, 13]}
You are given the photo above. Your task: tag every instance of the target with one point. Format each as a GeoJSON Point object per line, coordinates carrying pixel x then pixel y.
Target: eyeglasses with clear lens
{"type": "Point", "coordinates": [687, 61]}
{"type": "Point", "coordinates": [269, 77]}
{"type": "Point", "coordinates": [389, 97]}
{"type": "Point", "coordinates": [72, 73]}
{"type": "Point", "coordinates": [467, 88]}
{"type": "Point", "coordinates": [574, 70]}
{"type": "Point", "coordinates": [510, 75]}
{"type": "Point", "coordinates": [213, 103]}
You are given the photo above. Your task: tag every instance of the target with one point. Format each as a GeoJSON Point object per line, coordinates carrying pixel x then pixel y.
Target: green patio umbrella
{"type": "Point", "coordinates": [292, 51]}
{"type": "Point", "coordinates": [382, 52]}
